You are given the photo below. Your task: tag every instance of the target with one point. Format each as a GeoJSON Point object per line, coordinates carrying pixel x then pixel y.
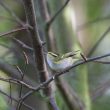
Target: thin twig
{"type": "Point", "coordinates": [22, 44]}
{"type": "Point", "coordinates": [102, 62]}
{"type": "Point", "coordinates": [59, 74]}
{"type": "Point", "coordinates": [13, 72]}
{"type": "Point", "coordinates": [29, 7]}
{"type": "Point", "coordinates": [21, 88]}
{"type": "Point", "coordinates": [70, 97]}
{"type": "Point", "coordinates": [18, 82]}
{"type": "Point", "coordinates": [27, 106]}
{"type": "Point", "coordinates": [96, 61]}
{"type": "Point", "coordinates": [26, 58]}
{"type": "Point", "coordinates": [98, 42]}
{"type": "Point", "coordinates": [16, 18]}
{"type": "Point", "coordinates": [13, 31]}
{"type": "Point", "coordinates": [22, 76]}
{"type": "Point", "coordinates": [89, 23]}
{"type": "Point", "coordinates": [100, 90]}
{"type": "Point", "coordinates": [57, 13]}
{"type": "Point", "coordinates": [6, 18]}
{"type": "Point", "coordinates": [20, 71]}
{"type": "Point", "coordinates": [7, 8]}
{"type": "Point", "coordinates": [10, 92]}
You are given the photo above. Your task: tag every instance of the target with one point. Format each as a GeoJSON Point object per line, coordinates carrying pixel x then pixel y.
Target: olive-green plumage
{"type": "Point", "coordinates": [60, 62]}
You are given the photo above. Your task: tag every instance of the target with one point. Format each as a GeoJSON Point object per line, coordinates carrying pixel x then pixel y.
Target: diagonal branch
{"type": "Point", "coordinates": [13, 31]}
{"type": "Point", "coordinates": [98, 42]}
{"type": "Point", "coordinates": [16, 18]}
{"type": "Point", "coordinates": [22, 44]}
{"type": "Point", "coordinates": [61, 73]}
{"type": "Point", "coordinates": [27, 106]}
{"type": "Point", "coordinates": [89, 23]}
{"type": "Point", "coordinates": [11, 71]}
{"type": "Point", "coordinates": [100, 90]}
{"type": "Point", "coordinates": [17, 82]}
{"type": "Point", "coordinates": [56, 14]}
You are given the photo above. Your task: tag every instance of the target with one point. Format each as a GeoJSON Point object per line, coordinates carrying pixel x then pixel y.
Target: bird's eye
{"type": "Point", "coordinates": [53, 54]}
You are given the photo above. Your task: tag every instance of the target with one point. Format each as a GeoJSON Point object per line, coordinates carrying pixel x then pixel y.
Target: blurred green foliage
{"type": "Point", "coordinates": [85, 78]}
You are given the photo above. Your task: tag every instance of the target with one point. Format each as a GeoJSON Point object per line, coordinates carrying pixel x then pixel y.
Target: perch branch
{"type": "Point", "coordinates": [61, 73]}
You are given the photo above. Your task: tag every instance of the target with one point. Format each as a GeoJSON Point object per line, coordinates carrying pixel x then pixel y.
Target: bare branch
{"type": "Point", "coordinates": [18, 82]}
{"type": "Point", "coordinates": [10, 92]}
{"type": "Point", "coordinates": [26, 58]}
{"type": "Point", "coordinates": [21, 79]}
{"type": "Point", "coordinates": [16, 18]}
{"type": "Point", "coordinates": [70, 96]}
{"type": "Point", "coordinates": [99, 91]}
{"type": "Point", "coordinates": [6, 18]}
{"type": "Point", "coordinates": [27, 106]}
{"type": "Point", "coordinates": [89, 23]}
{"type": "Point", "coordinates": [13, 31]}
{"type": "Point", "coordinates": [98, 42]}
{"type": "Point", "coordinates": [57, 13]}
{"type": "Point", "coordinates": [12, 72]}
{"type": "Point", "coordinates": [22, 44]}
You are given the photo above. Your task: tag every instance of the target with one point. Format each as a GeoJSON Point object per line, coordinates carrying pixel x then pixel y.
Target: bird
{"type": "Point", "coordinates": [58, 63]}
